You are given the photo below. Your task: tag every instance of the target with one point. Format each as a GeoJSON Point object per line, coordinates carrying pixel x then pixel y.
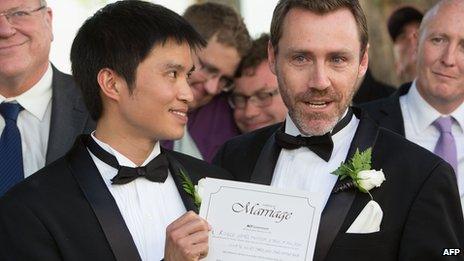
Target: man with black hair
{"type": "Point", "coordinates": [117, 195]}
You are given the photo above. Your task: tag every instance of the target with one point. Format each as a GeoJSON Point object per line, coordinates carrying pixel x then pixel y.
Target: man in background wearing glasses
{"type": "Point", "coordinates": [210, 117]}
{"type": "Point", "coordinates": [255, 99]}
{"type": "Point", "coordinates": [41, 108]}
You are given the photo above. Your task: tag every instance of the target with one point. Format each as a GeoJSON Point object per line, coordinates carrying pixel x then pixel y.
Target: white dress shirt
{"type": "Point", "coordinates": [34, 122]}
{"type": "Point", "coordinates": [418, 117]}
{"type": "Point", "coordinates": [302, 169]}
{"type": "Point", "coordinates": [147, 207]}
{"type": "Point", "coordinates": [187, 145]}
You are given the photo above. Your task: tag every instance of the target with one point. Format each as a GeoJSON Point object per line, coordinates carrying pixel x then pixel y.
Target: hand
{"type": "Point", "coordinates": [187, 238]}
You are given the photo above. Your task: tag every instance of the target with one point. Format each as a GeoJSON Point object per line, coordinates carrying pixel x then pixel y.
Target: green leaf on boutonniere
{"type": "Point", "coordinates": [358, 170]}
{"type": "Point", "coordinates": [189, 188]}
{"type": "Point", "coordinates": [359, 162]}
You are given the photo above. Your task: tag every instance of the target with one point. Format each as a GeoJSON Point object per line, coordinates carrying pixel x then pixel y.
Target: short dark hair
{"type": "Point", "coordinates": [319, 7]}
{"type": "Point", "coordinates": [255, 56]}
{"type": "Point", "coordinates": [119, 37]}
{"type": "Point", "coordinates": [222, 21]}
{"type": "Point", "coordinates": [401, 17]}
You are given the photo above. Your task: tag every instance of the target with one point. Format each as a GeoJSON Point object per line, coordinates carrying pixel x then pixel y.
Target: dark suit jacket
{"type": "Point", "coordinates": [420, 200]}
{"type": "Point", "coordinates": [69, 117]}
{"type": "Point", "coordinates": [65, 211]}
{"type": "Point", "coordinates": [387, 112]}
{"type": "Point", "coordinates": [371, 89]}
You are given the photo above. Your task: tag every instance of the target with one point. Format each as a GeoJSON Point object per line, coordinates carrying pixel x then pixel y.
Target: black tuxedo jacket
{"type": "Point", "coordinates": [65, 211]}
{"type": "Point", "coordinates": [419, 199]}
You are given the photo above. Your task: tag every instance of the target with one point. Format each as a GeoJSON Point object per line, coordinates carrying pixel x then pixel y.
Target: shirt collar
{"type": "Point", "coordinates": [123, 160]}
{"type": "Point", "coordinates": [458, 115]}
{"type": "Point", "coordinates": [290, 127]}
{"type": "Point", "coordinates": [36, 99]}
{"type": "Point", "coordinates": [424, 113]}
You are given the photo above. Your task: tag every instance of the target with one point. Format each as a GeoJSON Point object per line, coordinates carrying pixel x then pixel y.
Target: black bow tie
{"type": "Point", "coordinates": [156, 170]}
{"type": "Point", "coordinates": [321, 145]}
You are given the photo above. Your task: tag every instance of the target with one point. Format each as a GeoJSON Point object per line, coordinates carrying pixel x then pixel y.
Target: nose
{"type": "Point", "coordinates": [185, 93]}
{"type": "Point", "coordinates": [6, 30]}
{"type": "Point", "coordinates": [250, 110]}
{"type": "Point", "coordinates": [318, 77]}
{"type": "Point", "coordinates": [212, 86]}
{"type": "Point", "coordinates": [448, 57]}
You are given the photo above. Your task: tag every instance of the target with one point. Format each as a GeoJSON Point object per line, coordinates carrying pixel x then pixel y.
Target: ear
{"type": "Point", "coordinates": [271, 57]}
{"type": "Point", "coordinates": [110, 84]}
{"type": "Point", "coordinates": [364, 63]}
{"type": "Point", "coordinates": [49, 21]}
{"type": "Point", "coordinates": [415, 38]}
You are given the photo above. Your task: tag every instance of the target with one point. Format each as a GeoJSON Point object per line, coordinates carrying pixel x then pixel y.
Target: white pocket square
{"type": "Point", "coordinates": [368, 220]}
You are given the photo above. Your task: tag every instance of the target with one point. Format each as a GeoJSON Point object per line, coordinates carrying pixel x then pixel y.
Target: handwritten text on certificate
{"type": "Point", "coordinates": [257, 222]}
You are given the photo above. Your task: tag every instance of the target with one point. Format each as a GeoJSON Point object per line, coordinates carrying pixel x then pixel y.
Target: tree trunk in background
{"type": "Point", "coordinates": [381, 49]}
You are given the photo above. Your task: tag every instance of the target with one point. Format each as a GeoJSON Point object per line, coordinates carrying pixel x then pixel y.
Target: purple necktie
{"type": "Point", "coordinates": [446, 145]}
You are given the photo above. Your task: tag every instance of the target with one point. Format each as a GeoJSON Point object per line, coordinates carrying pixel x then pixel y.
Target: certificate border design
{"type": "Point", "coordinates": [220, 187]}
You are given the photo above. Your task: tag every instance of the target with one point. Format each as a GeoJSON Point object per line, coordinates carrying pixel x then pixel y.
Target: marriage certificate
{"type": "Point", "coordinates": [258, 222]}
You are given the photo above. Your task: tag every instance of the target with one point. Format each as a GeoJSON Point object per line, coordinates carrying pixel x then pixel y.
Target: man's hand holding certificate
{"type": "Point", "coordinates": [256, 222]}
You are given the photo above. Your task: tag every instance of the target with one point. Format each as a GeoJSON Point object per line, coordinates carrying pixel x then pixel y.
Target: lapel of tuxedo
{"type": "Point", "coordinates": [266, 162]}
{"type": "Point", "coordinates": [339, 204]}
{"type": "Point", "coordinates": [103, 204]}
{"type": "Point", "coordinates": [391, 110]}
{"type": "Point", "coordinates": [175, 167]}
{"type": "Point", "coordinates": [68, 116]}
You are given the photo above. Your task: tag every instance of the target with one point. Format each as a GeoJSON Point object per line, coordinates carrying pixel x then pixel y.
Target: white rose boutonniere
{"type": "Point", "coordinates": [199, 188]}
{"type": "Point", "coordinates": [369, 179]}
{"type": "Point", "coordinates": [358, 169]}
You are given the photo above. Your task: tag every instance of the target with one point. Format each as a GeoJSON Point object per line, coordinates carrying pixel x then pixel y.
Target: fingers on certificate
{"type": "Point", "coordinates": [187, 238]}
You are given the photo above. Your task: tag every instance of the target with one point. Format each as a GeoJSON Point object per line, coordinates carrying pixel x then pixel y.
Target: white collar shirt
{"type": "Point", "coordinates": [34, 122]}
{"type": "Point", "coordinates": [187, 145]}
{"type": "Point", "coordinates": [302, 169]}
{"type": "Point", "coordinates": [147, 207]}
{"type": "Point", "coordinates": [418, 117]}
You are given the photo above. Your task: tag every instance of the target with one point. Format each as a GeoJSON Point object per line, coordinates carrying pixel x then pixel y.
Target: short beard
{"type": "Point", "coordinates": [302, 122]}
{"type": "Point", "coordinates": [316, 124]}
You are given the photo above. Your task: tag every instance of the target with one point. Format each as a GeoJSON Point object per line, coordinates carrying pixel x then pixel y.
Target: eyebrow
{"type": "Point", "coordinates": [341, 51]}
{"type": "Point", "coordinates": [9, 10]}
{"type": "Point", "coordinates": [16, 8]}
{"type": "Point", "coordinates": [174, 66]}
{"type": "Point", "coordinates": [209, 66]}
{"type": "Point", "coordinates": [266, 88]}
{"type": "Point", "coordinates": [435, 34]}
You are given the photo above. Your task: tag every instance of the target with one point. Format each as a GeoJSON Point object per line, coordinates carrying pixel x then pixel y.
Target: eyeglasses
{"type": "Point", "coordinates": [261, 99]}
{"type": "Point", "coordinates": [19, 17]}
{"type": "Point", "coordinates": [225, 83]}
